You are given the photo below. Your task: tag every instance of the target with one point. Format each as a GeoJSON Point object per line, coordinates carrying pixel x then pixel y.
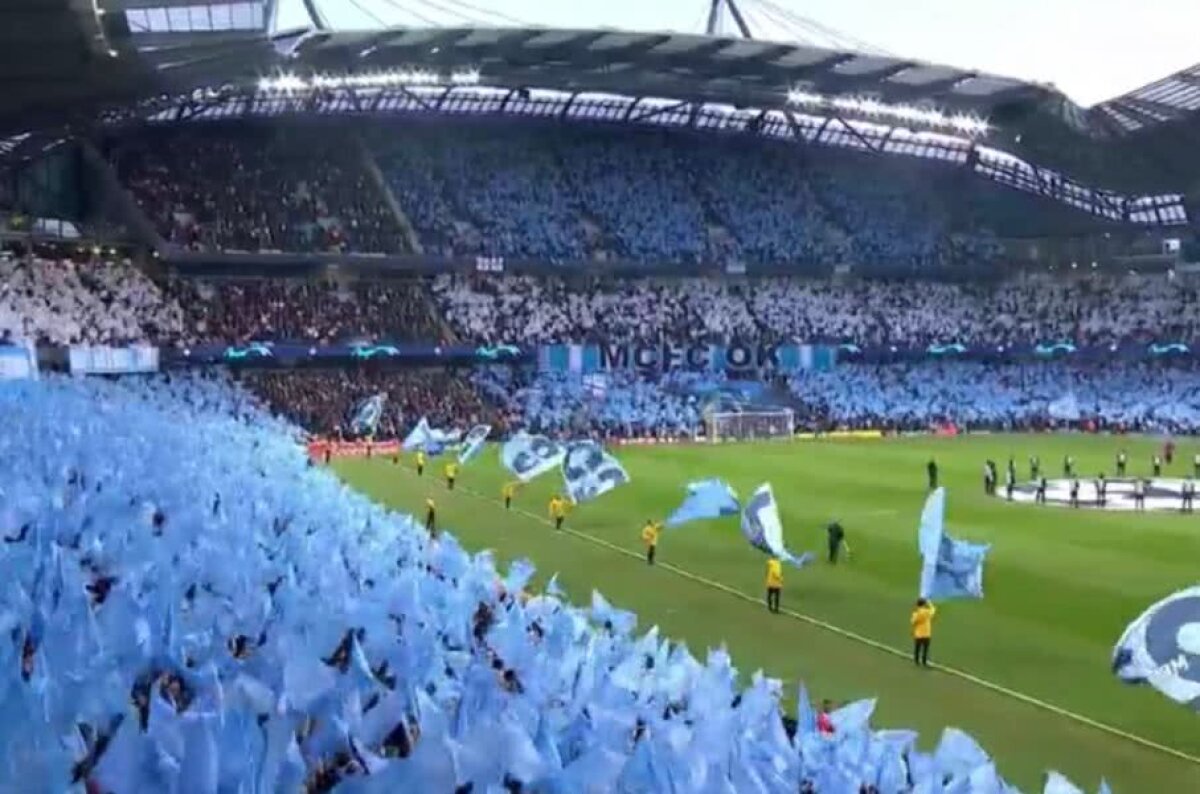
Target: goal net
{"type": "Point", "coordinates": [749, 425]}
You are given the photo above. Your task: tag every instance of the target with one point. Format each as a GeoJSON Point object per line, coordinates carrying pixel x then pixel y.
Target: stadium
{"type": "Point", "coordinates": [416, 396]}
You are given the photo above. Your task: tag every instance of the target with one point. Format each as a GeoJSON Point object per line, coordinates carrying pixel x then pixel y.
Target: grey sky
{"type": "Point", "coordinates": [1090, 49]}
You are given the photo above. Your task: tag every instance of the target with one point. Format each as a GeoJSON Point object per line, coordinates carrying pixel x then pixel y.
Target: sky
{"type": "Point", "coordinates": [1092, 50]}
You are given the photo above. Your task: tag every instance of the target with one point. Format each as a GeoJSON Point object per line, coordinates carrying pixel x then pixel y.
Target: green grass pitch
{"type": "Point", "coordinates": [1060, 585]}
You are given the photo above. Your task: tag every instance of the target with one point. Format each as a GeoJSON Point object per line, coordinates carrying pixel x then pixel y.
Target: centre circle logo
{"type": "Point", "coordinates": [1162, 493]}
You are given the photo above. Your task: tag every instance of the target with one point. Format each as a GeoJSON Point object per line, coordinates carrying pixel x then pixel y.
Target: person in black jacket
{"type": "Point", "coordinates": [837, 537]}
{"type": "Point", "coordinates": [932, 468]}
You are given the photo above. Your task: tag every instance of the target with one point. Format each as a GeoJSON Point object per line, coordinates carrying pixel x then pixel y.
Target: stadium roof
{"type": "Point", "coordinates": [1170, 99]}
{"type": "Point", "coordinates": [56, 59]}
{"type": "Point", "coordinates": [677, 65]}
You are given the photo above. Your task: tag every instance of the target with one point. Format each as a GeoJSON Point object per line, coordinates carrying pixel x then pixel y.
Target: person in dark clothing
{"type": "Point", "coordinates": [1040, 496]}
{"type": "Point", "coordinates": [836, 537]}
{"type": "Point", "coordinates": [1075, 492]}
{"type": "Point", "coordinates": [932, 469]}
{"type": "Point", "coordinates": [1189, 493]}
{"type": "Point", "coordinates": [1101, 490]}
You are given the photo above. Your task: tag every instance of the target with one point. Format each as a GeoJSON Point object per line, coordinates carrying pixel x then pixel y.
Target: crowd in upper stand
{"type": "Point", "coordinates": [558, 194]}
{"type": "Point", "coordinates": [258, 189]}
{"type": "Point", "coordinates": [569, 194]}
{"type": "Point", "coordinates": [1030, 309]}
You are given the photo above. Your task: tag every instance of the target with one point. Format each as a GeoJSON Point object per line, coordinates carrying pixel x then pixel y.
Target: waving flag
{"type": "Point", "coordinates": [1162, 648]}
{"type": "Point", "coordinates": [420, 436]}
{"type": "Point", "coordinates": [473, 443]}
{"type": "Point", "coordinates": [705, 499]}
{"type": "Point", "coordinates": [762, 527]}
{"type": "Point", "coordinates": [950, 568]}
{"type": "Point", "coordinates": [366, 415]}
{"type": "Point", "coordinates": [1065, 408]}
{"type": "Point", "coordinates": [589, 471]}
{"type": "Point", "coordinates": [529, 457]}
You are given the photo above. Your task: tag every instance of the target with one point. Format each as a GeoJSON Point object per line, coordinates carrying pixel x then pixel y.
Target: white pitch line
{"type": "Point", "coordinates": [879, 646]}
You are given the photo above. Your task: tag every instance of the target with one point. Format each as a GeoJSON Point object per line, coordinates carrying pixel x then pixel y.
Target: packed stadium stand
{"type": "Point", "coordinates": [301, 310]}
{"type": "Point", "coordinates": [1037, 307]}
{"type": "Point", "coordinates": [257, 189]}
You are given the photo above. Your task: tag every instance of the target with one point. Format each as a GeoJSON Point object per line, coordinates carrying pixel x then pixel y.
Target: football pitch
{"type": "Point", "coordinates": [1025, 670]}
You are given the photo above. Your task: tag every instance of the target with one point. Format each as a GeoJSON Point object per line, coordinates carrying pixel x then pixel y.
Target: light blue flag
{"type": "Point", "coordinates": [529, 457]}
{"type": "Point", "coordinates": [950, 568]}
{"type": "Point", "coordinates": [588, 471]}
{"type": "Point", "coordinates": [711, 498]}
{"type": "Point", "coordinates": [1056, 783]}
{"type": "Point", "coordinates": [1162, 648]}
{"type": "Point", "coordinates": [806, 718]}
{"type": "Point", "coordinates": [763, 529]}
{"type": "Point", "coordinates": [364, 419]}
{"type": "Point", "coordinates": [420, 436]}
{"type": "Point", "coordinates": [473, 444]}
{"type": "Point", "coordinates": [958, 754]}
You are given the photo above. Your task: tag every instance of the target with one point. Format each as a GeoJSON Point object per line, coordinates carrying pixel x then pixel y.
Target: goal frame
{"type": "Point", "coordinates": [778, 423]}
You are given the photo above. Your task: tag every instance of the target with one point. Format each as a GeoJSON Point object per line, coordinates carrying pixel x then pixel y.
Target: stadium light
{"type": "Point", "coordinates": [873, 108]}
{"type": "Point", "coordinates": [288, 83]}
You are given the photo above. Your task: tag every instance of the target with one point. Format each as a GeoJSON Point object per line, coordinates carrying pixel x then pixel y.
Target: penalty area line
{"type": "Point", "coordinates": [859, 638]}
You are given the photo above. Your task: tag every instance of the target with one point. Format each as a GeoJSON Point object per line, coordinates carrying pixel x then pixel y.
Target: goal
{"type": "Point", "coordinates": [750, 425]}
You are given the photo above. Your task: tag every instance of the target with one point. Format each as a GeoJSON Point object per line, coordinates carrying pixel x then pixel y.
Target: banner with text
{"type": "Point", "coordinates": [99, 360]}
{"type": "Point", "coordinates": [663, 356]}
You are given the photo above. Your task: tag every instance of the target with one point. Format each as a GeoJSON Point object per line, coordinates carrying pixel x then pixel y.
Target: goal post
{"type": "Point", "coordinates": [764, 423]}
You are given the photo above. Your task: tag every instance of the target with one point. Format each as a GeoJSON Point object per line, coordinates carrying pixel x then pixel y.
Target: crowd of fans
{"type": "Point", "coordinates": [322, 401]}
{"type": "Point", "coordinates": [1131, 397]}
{"type": "Point", "coordinates": [94, 302]}
{"type": "Point", "coordinates": [617, 405]}
{"type": "Point", "coordinates": [248, 188]}
{"type": "Point", "coordinates": [209, 611]}
{"type": "Point", "coordinates": [310, 311]}
{"type": "Point", "coordinates": [558, 194]}
{"type": "Point", "coordinates": [571, 194]}
{"type": "Point", "coordinates": [1091, 309]}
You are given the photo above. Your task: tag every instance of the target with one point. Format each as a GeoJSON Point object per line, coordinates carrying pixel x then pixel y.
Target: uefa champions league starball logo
{"type": "Point", "coordinates": [1162, 493]}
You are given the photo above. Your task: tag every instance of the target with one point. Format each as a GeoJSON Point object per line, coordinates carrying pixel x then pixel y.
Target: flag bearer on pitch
{"type": "Point", "coordinates": [431, 516]}
{"type": "Point", "coordinates": [650, 538]}
{"type": "Point", "coordinates": [921, 622]}
{"type": "Point", "coordinates": [558, 510]}
{"type": "Point", "coordinates": [774, 584]}
{"type": "Point", "coordinates": [509, 492]}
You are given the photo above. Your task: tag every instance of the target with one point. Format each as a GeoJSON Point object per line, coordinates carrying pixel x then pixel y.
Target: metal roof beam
{"type": "Point", "coordinates": [1153, 106]}
{"type": "Point", "coordinates": [1146, 118]}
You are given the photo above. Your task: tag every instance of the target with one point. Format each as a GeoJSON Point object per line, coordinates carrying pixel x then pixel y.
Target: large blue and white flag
{"type": "Point", "coordinates": [473, 444]}
{"type": "Point", "coordinates": [364, 419]}
{"type": "Point", "coordinates": [1162, 648]}
{"type": "Point", "coordinates": [950, 568]}
{"type": "Point", "coordinates": [529, 457]}
{"type": "Point", "coordinates": [588, 471]}
{"type": "Point", "coordinates": [712, 498]}
{"type": "Point", "coordinates": [420, 436]}
{"type": "Point", "coordinates": [762, 527]}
